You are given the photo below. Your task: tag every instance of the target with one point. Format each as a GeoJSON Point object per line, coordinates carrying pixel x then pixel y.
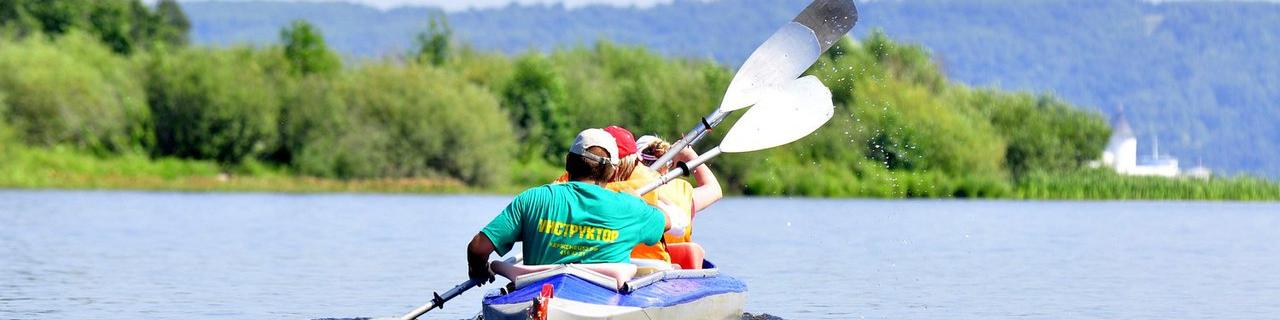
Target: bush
{"type": "Point", "coordinates": [550, 98]}
{"type": "Point", "coordinates": [638, 89]}
{"type": "Point", "coordinates": [389, 120]}
{"type": "Point", "coordinates": [72, 91]}
{"type": "Point", "coordinates": [312, 116]}
{"type": "Point", "coordinates": [212, 104]}
{"type": "Point", "coordinates": [6, 137]}
{"type": "Point", "coordinates": [1044, 133]}
{"type": "Point", "coordinates": [537, 101]}
{"type": "Point", "coordinates": [911, 63]}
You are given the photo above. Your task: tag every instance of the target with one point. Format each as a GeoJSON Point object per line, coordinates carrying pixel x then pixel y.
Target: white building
{"type": "Point", "coordinates": [1121, 153]}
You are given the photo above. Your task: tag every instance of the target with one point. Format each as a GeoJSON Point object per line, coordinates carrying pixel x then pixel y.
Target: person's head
{"type": "Point", "coordinates": [626, 152]}
{"type": "Point", "coordinates": [651, 148]}
{"type": "Point", "coordinates": [592, 158]}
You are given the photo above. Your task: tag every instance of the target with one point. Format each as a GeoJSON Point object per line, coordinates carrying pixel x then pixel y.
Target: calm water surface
{"type": "Point", "coordinates": [128, 255]}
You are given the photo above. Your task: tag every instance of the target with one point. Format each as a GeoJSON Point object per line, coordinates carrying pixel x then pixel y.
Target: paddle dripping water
{"type": "Point", "coordinates": [780, 59]}
{"type": "Point", "coordinates": [786, 113]}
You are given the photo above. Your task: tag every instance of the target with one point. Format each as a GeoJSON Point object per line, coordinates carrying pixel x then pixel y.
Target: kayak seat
{"type": "Point", "coordinates": [608, 275]}
{"type": "Point", "coordinates": [688, 255]}
{"type": "Point", "coordinates": [648, 266]}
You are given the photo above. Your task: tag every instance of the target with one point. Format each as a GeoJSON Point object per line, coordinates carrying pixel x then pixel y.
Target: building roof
{"type": "Point", "coordinates": [1120, 128]}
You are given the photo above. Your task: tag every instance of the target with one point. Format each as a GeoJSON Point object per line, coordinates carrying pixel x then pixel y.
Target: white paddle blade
{"type": "Point", "coordinates": [783, 57]}
{"type": "Point", "coordinates": [829, 20]}
{"type": "Point", "coordinates": [783, 115]}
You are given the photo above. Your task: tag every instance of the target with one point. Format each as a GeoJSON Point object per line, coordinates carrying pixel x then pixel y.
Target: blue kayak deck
{"type": "Point", "coordinates": [663, 293]}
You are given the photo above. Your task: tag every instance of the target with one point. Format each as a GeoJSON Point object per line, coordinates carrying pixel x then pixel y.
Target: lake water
{"type": "Point", "coordinates": [131, 255]}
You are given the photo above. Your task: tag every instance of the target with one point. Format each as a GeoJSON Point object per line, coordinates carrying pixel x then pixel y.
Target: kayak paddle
{"type": "Point", "coordinates": [781, 58]}
{"type": "Point", "coordinates": [784, 114]}
{"type": "Point", "coordinates": [438, 300]}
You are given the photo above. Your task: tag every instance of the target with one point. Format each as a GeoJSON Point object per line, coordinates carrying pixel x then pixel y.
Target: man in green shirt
{"type": "Point", "coordinates": [574, 222]}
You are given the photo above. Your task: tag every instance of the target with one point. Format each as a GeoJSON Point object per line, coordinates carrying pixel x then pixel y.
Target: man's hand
{"type": "Point", "coordinates": [480, 274]}
{"type": "Point", "coordinates": [478, 259]}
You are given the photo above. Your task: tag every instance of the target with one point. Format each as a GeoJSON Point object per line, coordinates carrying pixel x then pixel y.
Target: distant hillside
{"type": "Point", "coordinates": [1203, 76]}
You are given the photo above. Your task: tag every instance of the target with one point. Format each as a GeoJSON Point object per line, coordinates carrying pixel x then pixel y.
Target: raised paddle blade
{"type": "Point", "coordinates": [783, 115]}
{"type": "Point", "coordinates": [790, 51]}
{"type": "Point", "coordinates": [783, 57]}
{"type": "Point", "coordinates": [829, 20]}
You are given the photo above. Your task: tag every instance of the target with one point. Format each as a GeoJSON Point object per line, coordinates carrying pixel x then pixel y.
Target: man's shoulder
{"type": "Point", "coordinates": [541, 190]}
{"type": "Point", "coordinates": [539, 195]}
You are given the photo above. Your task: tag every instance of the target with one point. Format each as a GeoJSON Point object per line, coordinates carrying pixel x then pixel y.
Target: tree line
{"type": "Point", "coordinates": [445, 110]}
{"type": "Point", "coordinates": [1197, 74]}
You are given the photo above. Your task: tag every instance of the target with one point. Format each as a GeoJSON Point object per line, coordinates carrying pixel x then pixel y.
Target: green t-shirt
{"type": "Point", "coordinates": [575, 222]}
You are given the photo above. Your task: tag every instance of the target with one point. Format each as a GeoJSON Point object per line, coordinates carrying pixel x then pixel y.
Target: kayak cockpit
{"type": "Point", "coordinates": [580, 293]}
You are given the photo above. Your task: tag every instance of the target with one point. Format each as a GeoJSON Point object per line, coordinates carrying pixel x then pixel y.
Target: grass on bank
{"type": "Point", "coordinates": [64, 168]}
{"type": "Point", "coordinates": [1096, 184]}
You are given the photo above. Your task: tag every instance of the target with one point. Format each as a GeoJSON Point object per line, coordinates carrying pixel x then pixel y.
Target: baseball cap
{"type": "Point", "coordinates": [595, 138]}
{"type": "Point", "coordinates": [626, 141]}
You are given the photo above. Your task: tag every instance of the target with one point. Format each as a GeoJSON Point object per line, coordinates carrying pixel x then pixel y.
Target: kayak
{"type": "Point", "coordinates": [570, 293]}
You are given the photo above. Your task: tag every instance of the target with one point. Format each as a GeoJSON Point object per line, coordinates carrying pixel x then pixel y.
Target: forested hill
{"type": "Point", "coordinates": [1202, 75]}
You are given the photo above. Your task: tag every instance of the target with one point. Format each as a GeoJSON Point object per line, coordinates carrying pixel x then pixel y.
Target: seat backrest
{"type": "Point", "coordinates": [688, 255]}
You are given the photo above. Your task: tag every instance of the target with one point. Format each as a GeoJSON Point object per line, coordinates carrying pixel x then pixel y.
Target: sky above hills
{"type": "Point", "coordinates": [455, 5]}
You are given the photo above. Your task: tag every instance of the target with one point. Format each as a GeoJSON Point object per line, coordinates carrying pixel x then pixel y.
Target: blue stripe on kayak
{"type": "Point", "coordinates": [663, 293]}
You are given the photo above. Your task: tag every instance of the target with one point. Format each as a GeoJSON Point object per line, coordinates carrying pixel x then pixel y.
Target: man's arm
{"type": "Point", "coordinates": [478, 259]}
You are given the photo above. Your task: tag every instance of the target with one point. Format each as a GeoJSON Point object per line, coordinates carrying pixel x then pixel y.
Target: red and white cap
{"type": "Point", "coordinates": [626, 142]}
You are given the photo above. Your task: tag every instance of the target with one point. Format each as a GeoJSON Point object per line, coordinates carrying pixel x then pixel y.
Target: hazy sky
{"type": "Point", "coordinates": [465, 4]}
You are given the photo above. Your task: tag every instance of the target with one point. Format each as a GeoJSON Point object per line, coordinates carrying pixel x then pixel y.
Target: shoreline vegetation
{"type": "Point", "coordinates": [108, 95]}
{"type": "Point", "coordinates": [66, 169]}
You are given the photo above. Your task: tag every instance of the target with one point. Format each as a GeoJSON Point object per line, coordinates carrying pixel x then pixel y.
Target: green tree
{"type": "Point", "coordinates": [212, 104]}
{"type": "Point", "coordinates": [433, 45]}
{"type": "Point", "coordinates": [71, 91]}
{"type": "Point", "coordinates": [111, 20]}
{"type": "Point", "coordinates": [313, 117]}
{"type": "Point", "coordinates": [15, 19]}
{"type": "Point", "coordinates": [124, 25]}
{"type": "Point", "coordinates": [536, 99]}
{"type": "Point", "coordinates": [304, 47]}
{"type": "Point", "coordinates": [1043, 133]}
{"type": "Point", "coordinates": [388, 127]}
{"type": "Point", "coordinates": [177, 25]}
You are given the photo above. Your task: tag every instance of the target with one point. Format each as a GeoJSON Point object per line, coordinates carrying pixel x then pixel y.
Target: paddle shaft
{"type": "Point", "coordinates": [690, 138]}
{"type": "Point", "coordinates": [438, 300]}
{"type": "Point", "coordinates": [678, 171]}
